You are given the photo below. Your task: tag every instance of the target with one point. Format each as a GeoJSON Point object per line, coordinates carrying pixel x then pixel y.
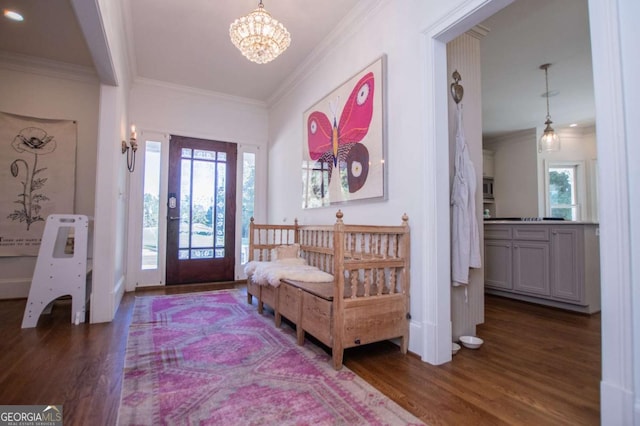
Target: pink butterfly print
{"type": "Point", "coordinates": [337, 144]}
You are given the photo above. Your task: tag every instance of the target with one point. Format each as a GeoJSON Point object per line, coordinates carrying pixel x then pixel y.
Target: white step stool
{"type": "Point", "coordinates": [62, 269]}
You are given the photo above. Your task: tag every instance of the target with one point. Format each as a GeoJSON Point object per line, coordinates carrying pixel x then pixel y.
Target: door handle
{"type": "Point", "coordinates": [174, 217]}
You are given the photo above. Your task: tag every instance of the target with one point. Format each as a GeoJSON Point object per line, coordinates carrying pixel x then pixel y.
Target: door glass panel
{"type": "Point", "coordinates": [205, 155]}
{"type": "Point", "coordinates": [151, 205]}
{"type": "Point", "coordinates": [202, 203]}
{"type": "Point", "coordinates": [201, 254]}
{"type": "Point", "coordinates": [185, 203]}
{"type": "Point", "coordinates": [221, 198]}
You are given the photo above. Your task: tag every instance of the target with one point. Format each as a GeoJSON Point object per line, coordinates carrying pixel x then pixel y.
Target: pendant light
{"type": "Point", "coordinates": [550, 141]}
{"type": "Point", "coordinates": [258, 36]}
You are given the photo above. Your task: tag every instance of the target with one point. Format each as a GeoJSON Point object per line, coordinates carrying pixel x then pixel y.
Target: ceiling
{"type": "Point", "coordinates": [521, 37]}
{"type": "Point", "coordinates": [189, 46]}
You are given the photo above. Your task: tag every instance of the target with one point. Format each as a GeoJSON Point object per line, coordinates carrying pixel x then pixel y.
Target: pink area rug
{"type": "Point", "coordinates": [211, 359]}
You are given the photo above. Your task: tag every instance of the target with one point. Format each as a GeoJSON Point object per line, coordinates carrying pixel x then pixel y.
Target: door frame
{"type": "Point", "coordinates": [620, 381]}
{"type": "Point", "coordinates": [136, 277]}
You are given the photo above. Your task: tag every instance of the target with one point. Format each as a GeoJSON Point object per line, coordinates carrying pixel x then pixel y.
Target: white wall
{"type": "Point", "coordinates": [629, 33]}
{"type": "Point", "coordinates": [162, 109]}
{"type": "Point", "coordinates": [515, 174]}
{"type": "Point", "coordinates": [463, 55]}
{"type": "Point", "coordinates": [186, 112]}
{"type": "Point", "coordinates": [614, 35]}
{"type": "Point", "coordinates": [102, 25]}
{"type": "Point", "coordinates": [48, 93]}
{"type": "Point", "coordinates": [372, 32]}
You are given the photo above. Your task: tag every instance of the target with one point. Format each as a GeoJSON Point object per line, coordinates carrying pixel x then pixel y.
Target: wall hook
{"type": "Point", "coordinates": [457, 91]}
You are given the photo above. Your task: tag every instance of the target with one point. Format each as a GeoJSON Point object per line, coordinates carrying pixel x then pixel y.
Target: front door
{"type": "Point", "coordinates": [201, 211]}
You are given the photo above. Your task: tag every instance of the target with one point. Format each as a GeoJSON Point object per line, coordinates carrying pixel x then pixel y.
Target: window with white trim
{"type": "Point", "coordinates": [565, 190]}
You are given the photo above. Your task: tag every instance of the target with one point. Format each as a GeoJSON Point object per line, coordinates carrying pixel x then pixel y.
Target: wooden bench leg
{"type": "Point", "coordinates": [277, 319]}
{"type": "Point", "coordinates": [299, 329]}
{"type": "Point", "coordinates": [249, 298]}
{"type": "Point", "coordinates": [404, 345]}
{"type": "Point", "coordinates": [260, 306]}
{"type": "Point", "coordinates": [337, 354]}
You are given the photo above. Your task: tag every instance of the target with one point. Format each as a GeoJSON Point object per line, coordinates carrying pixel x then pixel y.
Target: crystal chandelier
{"type": "Point", "coordinates": [259, 37]}
{"type": "Point", "coordinates": [550, 141]}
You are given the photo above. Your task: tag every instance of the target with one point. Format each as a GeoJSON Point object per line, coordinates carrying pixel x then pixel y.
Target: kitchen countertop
{"type": "Point", "coordinates": [531, 221]}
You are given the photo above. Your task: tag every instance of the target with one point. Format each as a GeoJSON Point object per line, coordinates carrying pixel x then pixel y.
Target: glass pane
{"type": "Point", "coordinates": [222, 156]}
{"type": "Point", "coordinates": [151, 205]}
{"type": "Point", "coordinates": [562, 192]}
{"type": "Point", "coordinates": [221, 198]}
{"type": "Point", "coordinates": [186, 152]}
{"type": "Point", "coordinates": [219, 253]}
{"type": "Point", "coordinates": [201, 207]}
{"type": "Point", "coordinates": [202, 254]}
{"type": "Point", "coordinates": [564, 212]}
{"type": "Point", "coordinates": [183, 254]}
{"type": "Point", "coordinates": [248, 201]}
{"type": "Point", "coordinates": [204, 155]}
{"type": "Point", "coordinates": [315, 181]}
{"type": "Point", "coordinates": [561, 185]}
{"type": "Point", "coordinates": [185, 203]}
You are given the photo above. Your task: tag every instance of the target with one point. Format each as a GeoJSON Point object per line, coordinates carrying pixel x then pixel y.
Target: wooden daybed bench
{"type": "Point", "coordinates": [368, 299]}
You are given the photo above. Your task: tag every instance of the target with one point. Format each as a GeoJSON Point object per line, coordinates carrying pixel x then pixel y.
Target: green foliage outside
{"type": "Point", "coordinates": [561, 193]}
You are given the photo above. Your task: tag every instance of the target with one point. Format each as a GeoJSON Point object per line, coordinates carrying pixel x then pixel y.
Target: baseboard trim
{"type": "Point", "coordinates": [616, 405]}
{"type": "Point", "coordinates": [14, 288]}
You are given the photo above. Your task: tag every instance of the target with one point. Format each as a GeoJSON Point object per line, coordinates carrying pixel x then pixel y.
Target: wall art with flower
{"type": "Point", "coordinates": [37, 176]}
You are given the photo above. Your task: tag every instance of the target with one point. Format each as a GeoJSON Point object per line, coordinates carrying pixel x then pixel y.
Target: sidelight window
{"type": "Point", "coordinates": [151, 205]}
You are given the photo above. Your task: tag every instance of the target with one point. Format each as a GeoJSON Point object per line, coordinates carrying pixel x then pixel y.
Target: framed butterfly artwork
{"type": "Point", "coordinates": [344, 142]}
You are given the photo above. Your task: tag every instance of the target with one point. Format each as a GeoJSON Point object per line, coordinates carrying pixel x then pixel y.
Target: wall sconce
{"type": "Point", "coordinates": [131, 158]}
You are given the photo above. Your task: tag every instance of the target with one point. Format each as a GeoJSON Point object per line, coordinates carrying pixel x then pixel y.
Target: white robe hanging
{"type": "Point", "coordinates": [465, 237]}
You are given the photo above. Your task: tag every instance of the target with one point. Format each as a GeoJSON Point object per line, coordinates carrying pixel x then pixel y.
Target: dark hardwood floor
{"type": "Point", "coordinates": [538, 366]}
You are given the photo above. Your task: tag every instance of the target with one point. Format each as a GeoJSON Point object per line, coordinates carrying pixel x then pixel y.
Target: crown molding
{"type": "Point", "coordinates": [350, 24]}
{"type": "Point", "coordinates": [479, 31]}
{"type": "Point", "coordinates": [46, 67]}
{"type": "Point", "coordinates": [510, 136]}
{"type": "Point", "coordinates": [199, 92]}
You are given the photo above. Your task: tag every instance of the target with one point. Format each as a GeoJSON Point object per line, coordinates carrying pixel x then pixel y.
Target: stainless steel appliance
{"type": "Point", "coordinates": [487, 188]}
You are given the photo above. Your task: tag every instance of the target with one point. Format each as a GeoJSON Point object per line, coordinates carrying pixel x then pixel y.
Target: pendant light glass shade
{"type": "Point", "coordinates": [550, 141]}
{"type": "Point", "coordinates": [258, 36]}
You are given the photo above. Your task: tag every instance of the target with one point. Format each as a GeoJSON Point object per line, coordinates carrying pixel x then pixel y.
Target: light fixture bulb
{"type": "Point", "coordinates": [13, 15]}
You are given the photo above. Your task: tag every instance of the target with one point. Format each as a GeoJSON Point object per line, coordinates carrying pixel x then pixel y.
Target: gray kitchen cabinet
{"type": "Point", "coordinates": [555, 263]}
{"type": "Point", "coordinates": [497, 265]}
{"type": "Point", "coordinates": [531, 267]}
